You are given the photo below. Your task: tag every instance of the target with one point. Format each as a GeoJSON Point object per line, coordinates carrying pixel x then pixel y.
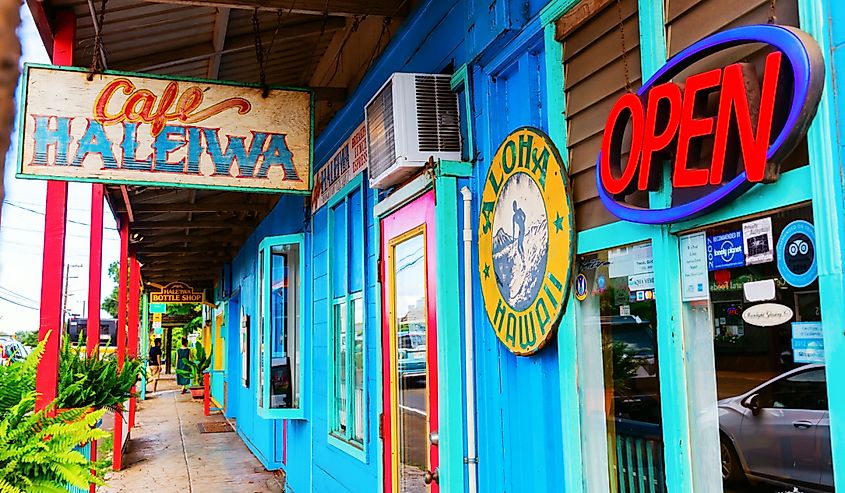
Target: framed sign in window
{"type": "Point", "coordinates": [244, 348]}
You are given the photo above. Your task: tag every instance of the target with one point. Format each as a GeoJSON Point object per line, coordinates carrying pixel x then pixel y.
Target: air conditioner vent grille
{"type": "Point", "coordinates": [439, 128]}
{"type": "Point", "coordinates": [380, 131]}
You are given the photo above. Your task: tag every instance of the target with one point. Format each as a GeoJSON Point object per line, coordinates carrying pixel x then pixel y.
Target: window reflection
{"type": "Point", "coordinates": [621, 304]}
{"type": "Point", "coordinates": [770, 381]}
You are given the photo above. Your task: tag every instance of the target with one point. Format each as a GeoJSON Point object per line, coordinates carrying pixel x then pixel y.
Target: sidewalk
{"type": "Point", "coordinates": [168, 454]}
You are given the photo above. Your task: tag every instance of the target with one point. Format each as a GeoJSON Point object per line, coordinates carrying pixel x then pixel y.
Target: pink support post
{"type": "Point", "coordinates": [95, 269]}
{"type": "Point", "coordinates": [117, 452]}
{"type": "Point", "coordinates": [53, 260]}
{"type": "Point", "coordinates": [134, 311]}
{"type": "Point", "coordinates": [206, 396]}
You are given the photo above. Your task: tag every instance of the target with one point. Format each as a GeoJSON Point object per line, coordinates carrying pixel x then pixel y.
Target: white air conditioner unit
{"type": "Point", "coordinates": [411, 118]}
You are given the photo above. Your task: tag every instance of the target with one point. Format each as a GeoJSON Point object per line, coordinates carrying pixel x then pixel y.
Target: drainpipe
{"type": "Point", "coordinates": [469, 356]}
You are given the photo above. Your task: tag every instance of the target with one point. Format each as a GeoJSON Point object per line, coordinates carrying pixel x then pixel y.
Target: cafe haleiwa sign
{"type": "Point", "coordinates": [723, 130]}
{"type": "Point", "coordinates": [177, 292]}
{"type": "Point", "coordinates": [146, 130]}
{"type": "Point", "coordinates": [526, 240]}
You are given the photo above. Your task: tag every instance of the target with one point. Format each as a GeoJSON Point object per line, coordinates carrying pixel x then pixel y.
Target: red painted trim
{"type": "Point", "coordinates": [95, 268]}
{"type": "Point", "coordinates": [53, 257]}
{"type": "Point", "coordinates": [418, 212]}
{"type": "Point", "coordinates": [117, 451]}
{"type": "Point", "coordinates": [285, 442]}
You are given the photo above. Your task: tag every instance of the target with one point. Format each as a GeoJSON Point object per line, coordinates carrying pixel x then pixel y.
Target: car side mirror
{"type": "Point", "coordinates": [752, 402]}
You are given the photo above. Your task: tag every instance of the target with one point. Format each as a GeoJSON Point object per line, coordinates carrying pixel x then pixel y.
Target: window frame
{"type": "Point", "coordinates": [347, 442]}
{"type": "Point", "coordinates": [265, 321]}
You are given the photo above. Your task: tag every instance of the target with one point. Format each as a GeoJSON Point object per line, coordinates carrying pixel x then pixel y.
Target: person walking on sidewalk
{"type": "Point", "coordinates": [183, 354]}
{"type": "Point", "coordinates": [154, 361]}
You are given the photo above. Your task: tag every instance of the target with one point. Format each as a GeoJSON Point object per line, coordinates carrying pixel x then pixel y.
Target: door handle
{"type": "Point", "coordinates": [802, 424]}
{"type": "Point", "coordinates": [432, 477]}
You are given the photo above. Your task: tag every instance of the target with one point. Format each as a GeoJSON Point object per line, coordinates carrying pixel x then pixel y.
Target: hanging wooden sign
{"type": "Point", "coordinates": [526, 240]}
{"type": "Point", "coordinates": [147, 130]}
{"type": "Point", "coordinates": [177, 292]}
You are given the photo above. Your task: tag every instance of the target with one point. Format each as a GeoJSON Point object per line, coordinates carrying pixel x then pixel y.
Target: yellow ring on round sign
{"type": "Point", "coordinates": [526, 251]}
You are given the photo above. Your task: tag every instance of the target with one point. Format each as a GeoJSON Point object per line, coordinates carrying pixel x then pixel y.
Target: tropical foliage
{"type": "Point", "coordinates": [196, 365]}
{"type": "Point", "coordinates": [94, 382]}
{"type": "Point", "coordinates": [38, 449]}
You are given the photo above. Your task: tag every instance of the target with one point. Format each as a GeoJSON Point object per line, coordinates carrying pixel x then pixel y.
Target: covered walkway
{"type": "Point", "coordinates": [167, 452]}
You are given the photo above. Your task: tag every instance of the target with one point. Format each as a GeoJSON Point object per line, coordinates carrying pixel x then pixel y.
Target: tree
{"type": "Point", "coordinates": [110, 304]}
{"type": "Point", "coordinates": [9, 72]}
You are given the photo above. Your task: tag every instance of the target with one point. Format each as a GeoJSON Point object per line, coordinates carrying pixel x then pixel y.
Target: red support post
{"type": "Point", "coordinates": [95, 268]}
{"type": "Point", "coordinates": [206, 395]}
{"type": "Point", "coordinates": [53, 260]}
{"type": "Point", "coordinates": [134, 312]}
{"type": "Point", "coordinates": [117, 452]}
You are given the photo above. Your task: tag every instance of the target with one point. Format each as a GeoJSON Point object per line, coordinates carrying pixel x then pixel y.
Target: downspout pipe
{"type": "Point", "coordinates": [469, 353]}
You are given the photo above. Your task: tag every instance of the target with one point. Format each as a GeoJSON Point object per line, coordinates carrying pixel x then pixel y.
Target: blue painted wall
{"type": "Point", "coordinates": [512, 392]}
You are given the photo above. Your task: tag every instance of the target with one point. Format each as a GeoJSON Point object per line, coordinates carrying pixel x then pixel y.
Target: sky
{"type": "Point", "coordinates": [22, 230]}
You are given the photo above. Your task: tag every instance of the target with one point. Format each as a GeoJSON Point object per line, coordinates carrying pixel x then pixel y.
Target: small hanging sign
{"type": "Point", "coordinates": [177, 292]}
{"type": "Point", "coordinates": [346, 163]}
{"type": "Point", "coordinates": [121, 128]}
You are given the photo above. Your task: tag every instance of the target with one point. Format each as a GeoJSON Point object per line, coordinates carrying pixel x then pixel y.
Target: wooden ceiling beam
{"type": "Point", "coordinates": [204, 224]}
{"type": "Point", "coordinates": [165, 59]}
{"type": "Point", "coordinates": [221, 25]}
{"type": "Point", "coordinates": [336, 8]}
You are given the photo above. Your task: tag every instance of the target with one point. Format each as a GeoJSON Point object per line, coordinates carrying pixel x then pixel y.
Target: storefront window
{"type": "Point", "coordinates": [620, 380]}
{"type": "Point", "coordinates": [761, 309]}
{"type": "Point", "coordinates": [280, 338]}
{"type": "Point", "coordinates": [346, 345]}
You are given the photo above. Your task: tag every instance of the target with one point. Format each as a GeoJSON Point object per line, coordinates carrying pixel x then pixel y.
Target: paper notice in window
{"type": "Point", "coordinates": [757, 241]}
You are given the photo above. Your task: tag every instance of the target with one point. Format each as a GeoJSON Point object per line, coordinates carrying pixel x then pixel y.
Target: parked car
{"type": "Point", "coordinates": [11, 351]}
{"type": "Point", "coordinates": [779, 433]}
{"type": "Point", "coordinates": [411, 349]}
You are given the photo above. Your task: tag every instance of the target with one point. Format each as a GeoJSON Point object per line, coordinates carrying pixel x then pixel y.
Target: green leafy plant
{"type": "Point", "coordinates": [94, 382]}
{"type": "Point", "coordinates": [38, 450]}
{"type": "Point", "coordinates": [196, 365]}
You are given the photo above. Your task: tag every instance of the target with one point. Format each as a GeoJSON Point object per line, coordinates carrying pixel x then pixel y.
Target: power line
{"type": "Point", "coordinates": [20, 297]}
{"type": "Point", "coordinates": [80, 223]}
{"type": "Point", "coordinates": [18, 304]}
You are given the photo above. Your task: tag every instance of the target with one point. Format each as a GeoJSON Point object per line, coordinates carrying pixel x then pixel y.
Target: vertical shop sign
{"type": "Point", "coordinates": [757, 241]}
{"type": "Point", "coordinates": [807, 342]}
{"type": "Point", "coordinates": [138, 129]}
{"type": "Point", "coordinates": [724, 251]}
{"type": "Point", "coordinates": [346, 163]}
{"type": "Point", "coordinates": [694, 284]}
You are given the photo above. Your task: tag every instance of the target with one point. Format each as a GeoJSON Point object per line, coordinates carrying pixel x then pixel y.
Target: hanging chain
{"type": "Point", "coordinates": [624, 51]}
{"type": "Point", "coordinates": [259, 54]}
{"type": "Point", "coordinates": [773, 19]}
{"type": "Point", "coordinates": [96, 58]}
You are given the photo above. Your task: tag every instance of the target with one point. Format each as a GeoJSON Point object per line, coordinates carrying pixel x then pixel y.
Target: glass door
{"type": "Point", "coordinates": [410, 349]}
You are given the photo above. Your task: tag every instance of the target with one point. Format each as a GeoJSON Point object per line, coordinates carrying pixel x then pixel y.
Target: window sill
{"type": "Point", "coordinates": [354, 449]}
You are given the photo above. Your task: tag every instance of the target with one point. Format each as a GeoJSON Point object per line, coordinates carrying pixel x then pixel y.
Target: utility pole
{"type": "Point", "coordinates": [64, 301]}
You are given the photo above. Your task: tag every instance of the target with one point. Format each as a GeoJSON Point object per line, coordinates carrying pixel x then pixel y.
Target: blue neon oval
{"type": "Point", "coordinates": [797, 50]}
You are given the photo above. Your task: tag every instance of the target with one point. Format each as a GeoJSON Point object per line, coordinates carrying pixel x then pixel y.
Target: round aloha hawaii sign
{"type": "Point", "coordinates": [526, 240]}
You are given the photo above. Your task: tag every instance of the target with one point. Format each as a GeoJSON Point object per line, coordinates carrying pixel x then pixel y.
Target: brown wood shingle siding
{"type": "Point", "coordinates": [594, 77]}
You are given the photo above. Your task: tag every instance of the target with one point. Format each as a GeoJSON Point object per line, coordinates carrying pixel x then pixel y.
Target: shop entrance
{"type": "Point", "coordinates": [409, 349]}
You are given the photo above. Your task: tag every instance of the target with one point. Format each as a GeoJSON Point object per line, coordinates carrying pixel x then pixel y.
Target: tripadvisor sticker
{"type": "Point", "coordinates": [526, 240]}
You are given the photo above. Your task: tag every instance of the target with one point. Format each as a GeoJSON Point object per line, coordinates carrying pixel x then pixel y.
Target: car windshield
{"type": "Point", "coordinates": [638, 339]}
{"type": "Point", "coordinates": [411, 341]}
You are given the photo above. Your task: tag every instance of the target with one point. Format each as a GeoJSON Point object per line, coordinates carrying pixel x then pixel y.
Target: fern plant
{"type": "Point", "coordinates": [196, 366]}
{"type": "Point", "coordinates": [37, 449]}
{"type": "Point", "coordinates": [94, 382]}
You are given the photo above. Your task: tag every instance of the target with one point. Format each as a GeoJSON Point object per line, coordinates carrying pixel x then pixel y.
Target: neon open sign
{"type": "Point", "coordinates": [758, 122]}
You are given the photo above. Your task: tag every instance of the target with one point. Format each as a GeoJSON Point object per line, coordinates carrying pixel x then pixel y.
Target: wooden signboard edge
{"type": "Point", "coordinates": [22, 121]}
